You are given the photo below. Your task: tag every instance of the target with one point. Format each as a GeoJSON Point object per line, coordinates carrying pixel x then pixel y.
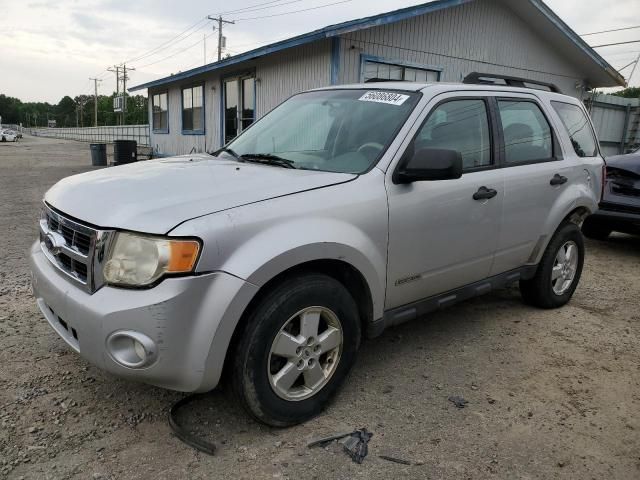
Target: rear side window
{"type": "Point", "coordinates": [527, 134]}
{"type": "Point", "coordinates": [577, 125]}
{"type": "Point", "coordinates": [460, 125]}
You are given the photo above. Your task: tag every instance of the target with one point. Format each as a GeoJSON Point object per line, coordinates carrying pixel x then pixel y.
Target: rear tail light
{"type": "Point", "coordinates": [604, 180]}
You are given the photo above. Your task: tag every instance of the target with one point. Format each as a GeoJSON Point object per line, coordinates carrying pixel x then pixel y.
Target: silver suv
{"type": "Point", "coordinates": [342, 212]}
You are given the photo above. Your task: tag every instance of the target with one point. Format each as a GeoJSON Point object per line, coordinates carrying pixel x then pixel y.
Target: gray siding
{"type": "Point", "coordinates": [291, 71]}
{"type": "Point", "coordinates": [278, 76]}
{"type": "Point", "coordinates": [478, 36]}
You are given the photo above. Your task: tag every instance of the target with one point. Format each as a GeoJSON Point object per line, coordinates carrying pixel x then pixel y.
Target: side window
{"type": "Point", "coordinates": [527, 134]}
{"type": "Point", "coordinates": [460, 125]}
{"type": "Point", "coordinates": [577, 125]}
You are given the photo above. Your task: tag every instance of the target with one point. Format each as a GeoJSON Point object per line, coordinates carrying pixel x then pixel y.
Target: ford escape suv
{"type": "Point", "coordinates": [343, 211]}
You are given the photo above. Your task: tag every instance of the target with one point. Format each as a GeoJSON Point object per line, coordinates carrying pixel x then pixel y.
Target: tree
{"type": "Point", "coordinates": [629, 92]}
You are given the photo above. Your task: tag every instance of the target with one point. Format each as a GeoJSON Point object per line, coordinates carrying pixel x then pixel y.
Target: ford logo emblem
{"type": "Point", "coordinates": [54, 242]}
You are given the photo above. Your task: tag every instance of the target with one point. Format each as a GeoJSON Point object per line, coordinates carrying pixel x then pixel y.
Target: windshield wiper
{"type": "Point", "coordinates": [268, 159]}
{"type": "Point", "coordinates": [227, 150]}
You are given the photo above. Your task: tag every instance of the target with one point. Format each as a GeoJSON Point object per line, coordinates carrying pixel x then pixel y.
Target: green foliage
{"type": "Point", "coordinates": [70, 112]}
{"type": "Point", "coordinates": [629, 92]}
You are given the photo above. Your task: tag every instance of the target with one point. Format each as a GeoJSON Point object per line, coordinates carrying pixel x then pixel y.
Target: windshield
{"type": "Point", "coordinates": [330, 130]}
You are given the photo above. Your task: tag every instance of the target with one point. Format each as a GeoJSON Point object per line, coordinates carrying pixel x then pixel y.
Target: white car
{"type": "Point", "coordinates": [8, 136]}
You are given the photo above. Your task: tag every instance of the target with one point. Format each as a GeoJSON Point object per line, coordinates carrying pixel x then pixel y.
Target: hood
{"type": "Point", "coordinates": [629, 162]}
{"type": "Point", "coordinates": [154, 196]}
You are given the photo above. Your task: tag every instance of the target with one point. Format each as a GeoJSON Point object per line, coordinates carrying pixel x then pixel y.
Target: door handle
{"type": "Point", "coordinates": [484, 193]}
{"type": "Point", "coordinates": [558, 180]}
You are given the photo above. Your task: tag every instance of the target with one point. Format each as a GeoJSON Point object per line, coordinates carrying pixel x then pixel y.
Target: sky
{"type": "Point", "coordinates": [52, 48]}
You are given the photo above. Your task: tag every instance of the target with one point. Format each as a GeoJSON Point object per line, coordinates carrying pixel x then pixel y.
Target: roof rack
{"type": "Point", "coordinates": [477, 78]}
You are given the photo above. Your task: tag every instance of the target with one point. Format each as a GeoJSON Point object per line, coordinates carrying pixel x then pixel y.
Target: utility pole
{"type": "Point", "coordinates": [221, 39]}
{"type": "Point", "coordinates": [95, 100]}
{"type": "Point", "coordinates": [124, 91]}
{"type": "Point", "coordinates": [117, 72]}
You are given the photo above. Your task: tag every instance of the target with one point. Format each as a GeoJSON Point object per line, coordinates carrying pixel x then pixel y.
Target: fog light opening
{"type": "Point", "coordinates": [131, 349]}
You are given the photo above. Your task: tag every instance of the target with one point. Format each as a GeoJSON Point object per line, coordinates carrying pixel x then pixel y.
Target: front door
{"type": "Point", "coordinates": [440, 237]}
{"type": "Point", "coordinates": [239, 105]}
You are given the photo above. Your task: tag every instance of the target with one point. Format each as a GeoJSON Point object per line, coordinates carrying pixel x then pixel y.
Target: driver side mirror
{"type": "Point", "coordinates": [430, 164]}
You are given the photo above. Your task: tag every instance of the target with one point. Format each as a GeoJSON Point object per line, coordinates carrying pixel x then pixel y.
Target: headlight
{"type": "Point", "coordinates": [139, 260]}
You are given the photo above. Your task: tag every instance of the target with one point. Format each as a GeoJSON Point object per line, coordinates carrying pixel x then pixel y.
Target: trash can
{"type": "Point", "coordinates": [125, 151]}
{"type": "Point", "coordinates": [98, 154]}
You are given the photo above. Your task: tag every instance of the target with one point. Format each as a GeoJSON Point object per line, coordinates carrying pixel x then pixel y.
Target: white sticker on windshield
{"type": "Point", "coordinates": [384, 97]}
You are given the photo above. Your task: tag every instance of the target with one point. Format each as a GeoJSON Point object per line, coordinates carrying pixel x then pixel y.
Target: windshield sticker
{"type": "Point", "coordinates": [384, 97]}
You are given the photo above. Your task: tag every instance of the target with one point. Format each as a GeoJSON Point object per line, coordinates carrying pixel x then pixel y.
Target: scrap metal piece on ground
{"type": "Point", "coordinates": [354, 443]}
{"type": "Point", "coordinates": [458, 401]}
{"type": "Point", "coordinates": [182, 433]}
{"type": "Point", "coordinates": [395, 460]}
{"type": "Point", "coordinates": [324, 441]}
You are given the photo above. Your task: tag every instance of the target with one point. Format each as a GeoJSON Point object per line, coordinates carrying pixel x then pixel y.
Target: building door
{"type": "Point", "coordinates": [239, 105]}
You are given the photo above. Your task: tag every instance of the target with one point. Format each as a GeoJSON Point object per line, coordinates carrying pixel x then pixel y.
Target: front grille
{"type": "Point", "coordinates": [71, 247]}
{"type": "Point", "coordinates": [625, 189]}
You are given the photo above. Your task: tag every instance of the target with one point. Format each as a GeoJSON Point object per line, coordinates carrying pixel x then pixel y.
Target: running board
{"type": "Point", "coordinates": [418, 309]}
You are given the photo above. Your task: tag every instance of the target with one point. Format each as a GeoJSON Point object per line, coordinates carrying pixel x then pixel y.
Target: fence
{"type": "Point", "coordinates": [617, 122]}
{"type": "Point", "coordinates": [139, 133]}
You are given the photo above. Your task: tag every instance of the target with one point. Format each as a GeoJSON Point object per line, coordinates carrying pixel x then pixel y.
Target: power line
{"type": "Point", "coordinates": [617, 43]}
{"type": "Point", "coordinates": [174, 54]}
{"type": "Point", "coordinates": [249, 9]}
{"type": "Point", "coordinates": [176, 39]}
{"type": "Point", "coordinates": [612, 30]}
{"type": "Point", "coordinates": [295, 11]}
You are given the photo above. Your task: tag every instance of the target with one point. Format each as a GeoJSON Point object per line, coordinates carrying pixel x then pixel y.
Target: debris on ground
{"type": "Point", "coordinates": [458, 401]}
{"type": "Point", "coordinates": [395, 460]}
{"type": "Point", "coordinates": [354, 443]}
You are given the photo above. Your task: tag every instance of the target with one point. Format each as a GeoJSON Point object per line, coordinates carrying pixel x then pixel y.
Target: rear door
{"type": "Point", "coordinates": [440, 237]}
{"type": "Point", "coordinates": [535, 175]}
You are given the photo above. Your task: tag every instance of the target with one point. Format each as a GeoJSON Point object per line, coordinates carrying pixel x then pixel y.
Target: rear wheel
{"type": "Point", "coordinates": [595, 230]}
{"type": "Point", "coordinates": [298, 346]}
{"type": "Point", "coordinates": [559, 270]}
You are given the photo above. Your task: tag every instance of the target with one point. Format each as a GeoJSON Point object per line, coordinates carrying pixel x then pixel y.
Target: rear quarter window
{"type": "Point", "coordinates": [577, 125]}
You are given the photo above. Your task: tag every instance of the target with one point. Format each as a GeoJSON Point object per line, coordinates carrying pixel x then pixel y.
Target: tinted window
{"type": "Point", "coordinates": [527, 134]}
{"type": "Point", "coordinates": [460, 125]}
{"type": "Point", "coordinates": [577, 125]}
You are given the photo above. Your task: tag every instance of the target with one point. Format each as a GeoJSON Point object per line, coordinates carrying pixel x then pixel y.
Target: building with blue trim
{"type": "Point", "coordinates": [444, 40]}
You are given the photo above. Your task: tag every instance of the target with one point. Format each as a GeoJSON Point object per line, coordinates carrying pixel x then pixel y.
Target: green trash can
{"type": "Point", "coordinates": [98, 154]}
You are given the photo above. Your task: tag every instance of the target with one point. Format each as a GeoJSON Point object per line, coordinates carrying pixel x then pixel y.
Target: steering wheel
{"type": "Point", "coordinates": [377, 146]}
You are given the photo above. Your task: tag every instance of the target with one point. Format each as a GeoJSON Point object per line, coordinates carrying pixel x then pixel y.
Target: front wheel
{"type": "Point", "coordinates": [559, 270]}
{"type": "Point", "coordinates": [297, 348]}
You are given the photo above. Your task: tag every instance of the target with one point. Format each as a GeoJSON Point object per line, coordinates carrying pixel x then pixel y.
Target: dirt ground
{"type": "Point", "coordinates": [552, 394]}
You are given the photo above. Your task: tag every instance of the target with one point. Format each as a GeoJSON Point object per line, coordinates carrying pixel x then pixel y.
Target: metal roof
{"type": "Point", "coordinates": [384, 19]}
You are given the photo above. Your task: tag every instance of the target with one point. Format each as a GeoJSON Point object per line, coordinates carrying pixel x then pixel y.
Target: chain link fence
{"type": "Point", "coordinates": [139, 133]}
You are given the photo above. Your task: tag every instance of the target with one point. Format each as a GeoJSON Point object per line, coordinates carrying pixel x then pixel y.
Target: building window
{"type": "Point", "coordinates": [375, 71]}
{"type": "Point", "coordinates": [239, 105]}
{"type": "Point", "coordinates": [193, 110]}
{"type": "Point", "coordinates": [160, 112]}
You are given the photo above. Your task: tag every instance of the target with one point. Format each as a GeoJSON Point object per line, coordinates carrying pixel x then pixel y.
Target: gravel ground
{"type": "Point", "coordinates": [552, 394]}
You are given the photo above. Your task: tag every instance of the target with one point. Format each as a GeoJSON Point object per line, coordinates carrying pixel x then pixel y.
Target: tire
{"type": "Point", "coordinates": [542, 290]}
{"type": "Point", "coordinates": [257, 376]}
{"type": "Point", "coordinates": [595, 230]}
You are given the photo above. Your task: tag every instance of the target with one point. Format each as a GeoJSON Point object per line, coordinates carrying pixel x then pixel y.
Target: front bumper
{"type": "Point", "coordinates": [625, 220]}
{"type": "Point", "coordinates": [190, 320]}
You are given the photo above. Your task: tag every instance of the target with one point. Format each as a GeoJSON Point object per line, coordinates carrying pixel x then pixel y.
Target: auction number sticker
{"type": "Point", "coordinates": [384, 97]}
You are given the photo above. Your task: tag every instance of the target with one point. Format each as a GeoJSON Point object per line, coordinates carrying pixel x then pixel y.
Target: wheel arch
{"type": "Point", "coordinates": [344, 272]}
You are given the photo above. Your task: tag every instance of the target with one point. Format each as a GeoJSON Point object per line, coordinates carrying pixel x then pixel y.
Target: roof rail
{"type": "Point", "coordinates": [477, 78]}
